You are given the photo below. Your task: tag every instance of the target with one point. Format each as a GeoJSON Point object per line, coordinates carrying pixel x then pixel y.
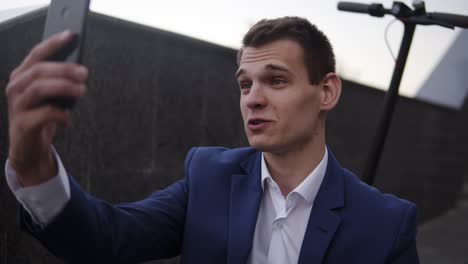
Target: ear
{"type": "Point", "coordinates": [331, 91]}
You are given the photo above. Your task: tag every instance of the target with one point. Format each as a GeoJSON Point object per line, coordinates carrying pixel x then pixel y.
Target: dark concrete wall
{"type": "Point", "coordinates": [424, 158]}
{"type": "Point", "coordinates": [154, 94]}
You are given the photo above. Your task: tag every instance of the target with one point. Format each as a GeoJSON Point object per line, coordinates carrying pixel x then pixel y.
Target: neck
{"type": "Point", "coordinates": [290, 168]}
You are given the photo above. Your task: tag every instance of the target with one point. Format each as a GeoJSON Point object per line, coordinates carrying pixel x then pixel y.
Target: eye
{"type": "Point", "coordinates": [245, 85]}
{"type": "Point", "coordinates": [278, 81]}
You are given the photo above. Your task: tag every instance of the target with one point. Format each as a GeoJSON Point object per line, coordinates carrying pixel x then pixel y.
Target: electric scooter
{"type": "Point", "coordinates": [410, 18]}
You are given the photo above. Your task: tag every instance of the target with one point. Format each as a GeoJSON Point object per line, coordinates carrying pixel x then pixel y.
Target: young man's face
{"type": "Point", "coordinates": [279, 106]}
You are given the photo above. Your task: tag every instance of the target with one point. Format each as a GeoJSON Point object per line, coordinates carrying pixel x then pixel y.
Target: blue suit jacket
{"type": "Point", "coordinates": [210, 217]}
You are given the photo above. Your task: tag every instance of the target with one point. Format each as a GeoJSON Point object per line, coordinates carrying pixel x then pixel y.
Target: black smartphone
{"type": "Point", "coordinates": [67, 15]}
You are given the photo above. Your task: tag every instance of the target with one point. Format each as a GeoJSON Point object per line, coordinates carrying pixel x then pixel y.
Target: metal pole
{"type": "Point", "coordinates": [388, 107]}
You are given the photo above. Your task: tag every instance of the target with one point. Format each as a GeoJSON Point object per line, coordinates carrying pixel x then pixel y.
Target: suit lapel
{"type": "Point", "coordinates": [246, 192]}
{"type": "Point", "coordinates": [324, 220]}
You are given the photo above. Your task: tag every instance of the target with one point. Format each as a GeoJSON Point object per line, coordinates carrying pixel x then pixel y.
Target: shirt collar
{"type": "Point", "coordinates": [309, 187]}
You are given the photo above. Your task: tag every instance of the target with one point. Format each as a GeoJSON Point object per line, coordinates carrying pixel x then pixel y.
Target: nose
{"type": "Point", "coordinates": [256, 98]}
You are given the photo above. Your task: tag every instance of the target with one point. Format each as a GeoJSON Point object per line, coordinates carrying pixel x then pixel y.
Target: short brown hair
{"type": "Point", "coordinates": [318, 52]}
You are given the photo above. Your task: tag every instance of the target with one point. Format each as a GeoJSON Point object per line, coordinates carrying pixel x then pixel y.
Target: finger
{"type": "Point", "coordinates": [75, 72]}
{"type": "Point", "coordinates": [44, 50]}
{"type": "Point", "coordinates": [33, 121]}
{"type": "Point", "coordinates": [44, 89]}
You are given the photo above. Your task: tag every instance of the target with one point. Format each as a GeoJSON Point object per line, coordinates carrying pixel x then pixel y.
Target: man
{"type": "Point", "coordinates": [284, 200]}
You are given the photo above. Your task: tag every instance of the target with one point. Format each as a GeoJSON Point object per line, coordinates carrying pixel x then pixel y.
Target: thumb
{"type": "Point", "coordinates": [49, 132]}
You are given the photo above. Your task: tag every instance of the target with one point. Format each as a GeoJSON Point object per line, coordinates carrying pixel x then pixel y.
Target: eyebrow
{"type": "Point", "coordinates": [239, 72]}
{"type": "Point", "coordinates": [274, 67]}
{"type": "Point", "coordinates": [270, 67]}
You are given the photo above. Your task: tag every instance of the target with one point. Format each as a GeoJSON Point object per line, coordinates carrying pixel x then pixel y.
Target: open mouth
{"type": "Point", "coordinates": [256, 124]}
{"type": "Point", "coordinates": [255, 121]}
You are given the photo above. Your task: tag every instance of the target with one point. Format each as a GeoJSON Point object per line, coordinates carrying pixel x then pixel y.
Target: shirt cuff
{"type": "Point", "coordinates": [44, 201]}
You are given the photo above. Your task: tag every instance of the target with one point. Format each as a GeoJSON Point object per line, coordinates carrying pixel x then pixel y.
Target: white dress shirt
{"type": "Point", "coordinates": [281, 223]}
{"type": "Point", "coordinates": [44, 201]}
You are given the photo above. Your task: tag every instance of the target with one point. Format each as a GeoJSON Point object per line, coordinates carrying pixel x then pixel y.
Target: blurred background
{"type": "Point", "coordinates": [159, 70]}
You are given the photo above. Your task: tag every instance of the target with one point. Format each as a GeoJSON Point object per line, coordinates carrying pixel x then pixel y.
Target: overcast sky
{"type": "Point", "coordinates": [358, 39]}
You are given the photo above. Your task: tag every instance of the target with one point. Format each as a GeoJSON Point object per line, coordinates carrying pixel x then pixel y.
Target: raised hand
{"type": "Point", "coordinates": [33, 121]}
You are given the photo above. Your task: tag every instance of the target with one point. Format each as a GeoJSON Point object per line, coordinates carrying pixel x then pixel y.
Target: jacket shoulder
{"type": "Point", "coordinates": [211, 161]}
{"type": "Point", "coordinates": [218, 155]}
{"type": "Point", "coordinates": [370, 197]}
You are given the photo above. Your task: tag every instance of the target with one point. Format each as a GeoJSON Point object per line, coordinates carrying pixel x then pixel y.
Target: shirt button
{"type": "Point", "coordinates": [279, 226]}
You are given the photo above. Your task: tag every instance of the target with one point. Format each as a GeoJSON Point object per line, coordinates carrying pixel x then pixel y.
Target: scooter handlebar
{"type": "Point", "coordinates": [373, 9]}
{"type": "Point", "coordinates": [353, 7]}
{"type": "Point", "coordinates": [455, 20]}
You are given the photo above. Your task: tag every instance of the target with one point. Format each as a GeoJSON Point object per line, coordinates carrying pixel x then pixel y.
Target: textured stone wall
{"type": "Point", "coordinates": [154, 94]}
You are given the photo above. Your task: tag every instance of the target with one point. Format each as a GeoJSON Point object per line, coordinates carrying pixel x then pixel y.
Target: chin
{"type": "Point", "coordinates": [262, 144]}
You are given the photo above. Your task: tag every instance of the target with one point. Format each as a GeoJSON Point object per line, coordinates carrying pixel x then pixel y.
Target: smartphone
{"type": "Point", "coordinates": [67, 15]}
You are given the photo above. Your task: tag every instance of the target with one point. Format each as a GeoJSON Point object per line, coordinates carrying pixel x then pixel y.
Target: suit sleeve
{"type": "Point", "coordinates": [89, 230]}
{"type": "Point", "coordinates": [404, 250]}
